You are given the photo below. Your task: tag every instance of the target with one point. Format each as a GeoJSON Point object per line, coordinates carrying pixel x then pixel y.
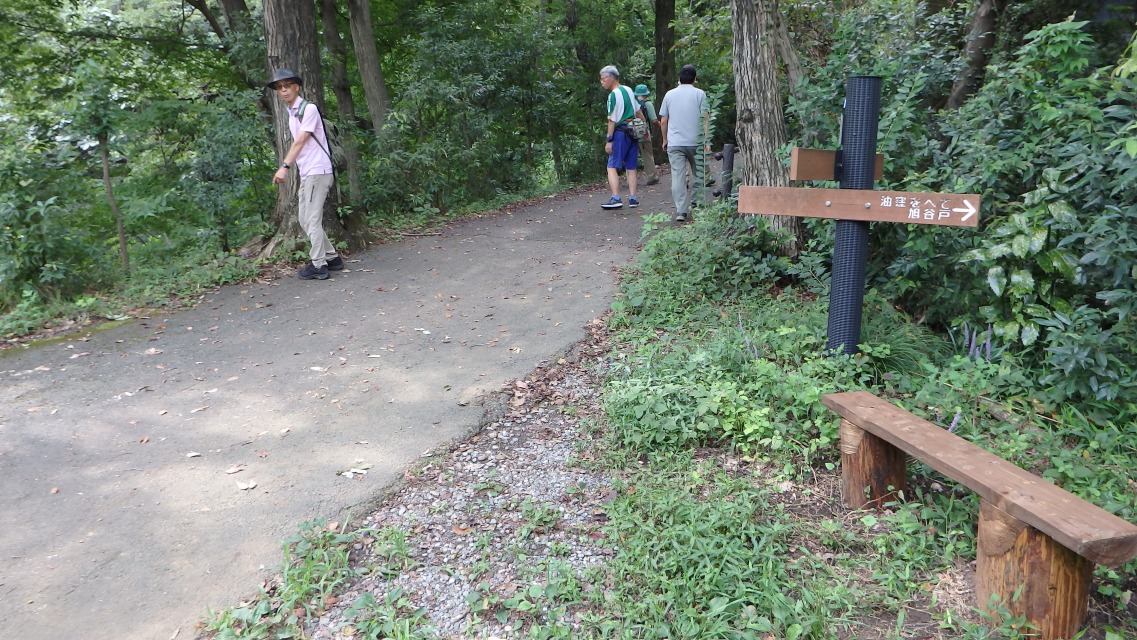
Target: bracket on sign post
{"type": "Point", "coordinates": [856, 165]}
{"type": "Point", "coordinates": [824, 164]}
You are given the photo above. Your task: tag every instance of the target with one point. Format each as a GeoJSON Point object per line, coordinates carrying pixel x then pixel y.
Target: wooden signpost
{"type": "Point", "coordinates": [856, 166]}
{"type": "Point", "coordinates": [957, 210]}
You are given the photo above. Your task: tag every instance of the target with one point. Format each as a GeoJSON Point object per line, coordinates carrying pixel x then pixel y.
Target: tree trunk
{"type": "Point", "coordinates": [791, 62]}
{"type": "Point", "coordinates": [665, 76]}
{"type": "Point", "coordinates": [980, 41]}
{"type": "Point", "coordinates": [120, 224]}
{"type": "Point", "coordinates": [355, 222]}
{"type": "Point", "coordinates": [367, 57]}
{"type": "Point", "coordinates": [761, 126]}
{"type": "Point", "coordinates": [290, 41]}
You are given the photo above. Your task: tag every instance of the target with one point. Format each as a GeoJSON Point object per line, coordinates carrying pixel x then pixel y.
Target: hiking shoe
{"type": "Point", "coordinates": [632, 202]}
{"type": "Point", "coordinates": [613, 203]}
{"type": "Point", "coordinates": [312, 272]}
{"type": "Point", "coordinates": [335, 264]}
{"type": "Point", "coordinates": [682, 217]}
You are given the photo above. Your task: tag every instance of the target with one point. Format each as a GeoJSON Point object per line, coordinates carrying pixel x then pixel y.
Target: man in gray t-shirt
{"type": "Point", "coordinates": [683, 116]}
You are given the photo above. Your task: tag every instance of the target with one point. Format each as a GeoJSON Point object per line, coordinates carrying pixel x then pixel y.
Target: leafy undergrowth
{"type": "Point", "coordinates": [721, 349]}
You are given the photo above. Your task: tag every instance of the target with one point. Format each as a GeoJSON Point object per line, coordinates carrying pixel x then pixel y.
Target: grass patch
{"type": "Point", "coordinates": [726, 519]}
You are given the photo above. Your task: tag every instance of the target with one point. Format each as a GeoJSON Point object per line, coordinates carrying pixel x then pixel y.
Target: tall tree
{"type": "Point", "coordinates": [761, 126]}
{"type": "Point", "coordinates": [367, 57]}
{"type": "Point", "coordinates": [664, 46]}
{"type": "Point", "coordinates": [345, 103]}
{"type": "Point", "coordinates": [290, 42]}
{"type": "Point", "coordinates": [980, 42]}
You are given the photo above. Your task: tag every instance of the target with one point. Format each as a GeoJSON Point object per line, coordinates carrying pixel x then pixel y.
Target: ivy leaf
{"type": "Point", "coordinates": [997, 280]}
{"type": "Point", "coordinates": [1029, 333]}
{"type": "Point", "coordinates": [1038, 240]}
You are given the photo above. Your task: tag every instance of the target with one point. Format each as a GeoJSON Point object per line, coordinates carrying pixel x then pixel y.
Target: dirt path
{"type": "Point", "coordinates": [128, 456]}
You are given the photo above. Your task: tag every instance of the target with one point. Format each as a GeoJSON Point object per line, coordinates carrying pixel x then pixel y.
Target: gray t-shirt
{"type": "Point", "coordinates": [684, 107]}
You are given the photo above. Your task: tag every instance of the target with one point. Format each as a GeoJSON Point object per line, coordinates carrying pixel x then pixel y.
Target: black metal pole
{"type": "Point", "coordinates": [851, 244]}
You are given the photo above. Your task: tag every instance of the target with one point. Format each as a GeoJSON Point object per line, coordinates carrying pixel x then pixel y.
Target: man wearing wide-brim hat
{"type": "Point", "coordinates": [311, 156]}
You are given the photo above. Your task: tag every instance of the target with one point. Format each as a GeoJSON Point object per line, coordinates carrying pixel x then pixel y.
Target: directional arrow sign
{"type": "Point", "coordinates": [951, 209]}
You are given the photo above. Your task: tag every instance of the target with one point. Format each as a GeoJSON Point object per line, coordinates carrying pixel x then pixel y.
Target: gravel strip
{"type": "Point", "coordinates": [493, 514]}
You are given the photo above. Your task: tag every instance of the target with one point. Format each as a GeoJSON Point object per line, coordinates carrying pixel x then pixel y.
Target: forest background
{"type": "Point", "coordinates": [137, 144]}
{"type": "Point", "coordinates": [137, 139]}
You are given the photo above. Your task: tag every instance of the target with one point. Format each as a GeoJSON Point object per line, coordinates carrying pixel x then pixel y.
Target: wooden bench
{"type": "Point", "coordinates": [1031, 533]}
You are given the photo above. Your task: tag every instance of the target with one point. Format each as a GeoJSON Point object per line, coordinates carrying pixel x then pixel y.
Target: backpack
{"type": "Point", "coordinates": [637, 129]}
{"type": "Point", "coordinates": [335, 153]}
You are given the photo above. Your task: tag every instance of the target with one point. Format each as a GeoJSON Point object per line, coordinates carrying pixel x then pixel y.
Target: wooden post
{"type": "Point", "coordinates": [869, 461]}
{"type": "Point", "coordinates": [1055, 581]}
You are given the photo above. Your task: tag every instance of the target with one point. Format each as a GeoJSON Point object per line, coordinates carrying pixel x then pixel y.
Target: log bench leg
{"type": "Point", "coordinates": [1055, 581]}
{"type": "Point", "coordinates": [869, 461]}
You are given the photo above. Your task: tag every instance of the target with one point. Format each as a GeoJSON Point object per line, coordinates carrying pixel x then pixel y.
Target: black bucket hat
{"type": "Point", "coordinates": [283, 74]}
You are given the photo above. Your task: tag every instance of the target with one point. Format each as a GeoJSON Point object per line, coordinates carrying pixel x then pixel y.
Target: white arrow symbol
{"type": "Point", "coordinates": [969, 210]}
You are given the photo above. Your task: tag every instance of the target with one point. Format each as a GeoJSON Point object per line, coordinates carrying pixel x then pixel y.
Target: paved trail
{"type": "Point", "coordinates": [114, 528]}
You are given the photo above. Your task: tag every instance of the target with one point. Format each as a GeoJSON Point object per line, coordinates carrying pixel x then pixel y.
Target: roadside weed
{"type": "Point", "coordinates": [316, 563]}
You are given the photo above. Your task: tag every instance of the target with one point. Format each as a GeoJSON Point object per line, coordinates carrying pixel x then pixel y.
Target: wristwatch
{"type": "Point", "coordinates": [610, 138]}
{"type": "Point", "coordinates": [285, 165]}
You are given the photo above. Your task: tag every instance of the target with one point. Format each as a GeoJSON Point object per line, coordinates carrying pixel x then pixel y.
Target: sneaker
{"type": "Point", "coordinates": [335, 264]}
{"type": "Point", "coordinates": [682, 217]}
{"type": "Point", "coordinates": [312, 272]}
{"type": "Point", "coordinates": [613, 203]}
{"type": "Point", "coordinates": [632, 202]}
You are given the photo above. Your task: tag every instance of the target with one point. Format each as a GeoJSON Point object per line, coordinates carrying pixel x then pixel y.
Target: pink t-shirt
{"type": "Point", "coordinates": [313, 160]}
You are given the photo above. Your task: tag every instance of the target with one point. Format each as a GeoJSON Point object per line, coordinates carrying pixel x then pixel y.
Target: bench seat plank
{"type": "Point", "coordinates": [1084, 528]}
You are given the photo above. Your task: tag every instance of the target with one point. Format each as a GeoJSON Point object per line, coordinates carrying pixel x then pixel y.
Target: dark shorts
{"type": "Point", "coordinates": [625, 151]}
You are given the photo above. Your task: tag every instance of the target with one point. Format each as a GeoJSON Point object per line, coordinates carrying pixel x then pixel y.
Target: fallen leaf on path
{"type": "Point", "coordinates": [151, 352]}
{"type": "Point", "coordinates": [262, 454]}
{"type": "Point", "coordinates": [462, 530]}
{"type": "Point", "coordinates": [237, 468]}
{"type": "Point", "coordinates": [316, 368]}
{"type": "Point", "coordinates": [213, 390]}
{"type": "Point", "coordinates": [245, 486]}
{"type": "Point", "coordinates": [193, 454]}
{"type": "Point", "coordinates": [35, 409]}
{"type": "Point", "coordinates": [144, 440]}
{"type": "Point", "coordinates": [163, 412]}
{"type": "Point", "coordinates": [79, 355]}
{"type": "Point", "coordinates": [233, 378]}
{"type": "Point", "coordinates": [55, 489]}
{"type": "Point", "coordinates": [200, 409]}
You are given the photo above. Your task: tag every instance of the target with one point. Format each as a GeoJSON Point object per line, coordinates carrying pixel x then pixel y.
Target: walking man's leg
{"type": "Point", "coordinates": [677, 156]}
{"type": "Point", "coordinates": [648, 156]}
{"type": "Point", "coordinates": [313, 193]}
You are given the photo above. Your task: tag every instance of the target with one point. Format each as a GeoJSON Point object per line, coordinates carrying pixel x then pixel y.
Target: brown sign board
{"type": "Point", "coordinates": [951, 209]}
{"type": "Point", "coordinates": [819, 164]}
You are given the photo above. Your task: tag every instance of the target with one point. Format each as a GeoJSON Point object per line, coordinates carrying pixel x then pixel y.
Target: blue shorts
{"type": "Point", "coordinates": [625, 151]}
